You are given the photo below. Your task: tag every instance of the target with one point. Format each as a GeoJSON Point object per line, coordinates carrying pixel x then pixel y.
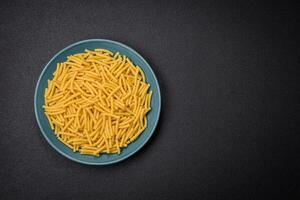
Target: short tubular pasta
{"type": "Point", "coordinates": [97, 102]}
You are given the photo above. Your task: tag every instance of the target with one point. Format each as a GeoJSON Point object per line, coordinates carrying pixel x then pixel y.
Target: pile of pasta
{"type": "Point", "coordinates": [97, 102]}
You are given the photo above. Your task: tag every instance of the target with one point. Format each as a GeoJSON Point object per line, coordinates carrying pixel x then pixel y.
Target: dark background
{"type": "Point", "coordinates": [229, 80]}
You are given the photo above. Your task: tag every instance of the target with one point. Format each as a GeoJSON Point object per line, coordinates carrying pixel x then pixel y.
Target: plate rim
{"type": "Point", "coordinates": [87, 162]}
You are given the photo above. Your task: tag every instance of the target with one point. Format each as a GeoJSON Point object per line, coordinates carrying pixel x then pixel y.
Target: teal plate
{"type": "Point", "coordinates": [152, 116]}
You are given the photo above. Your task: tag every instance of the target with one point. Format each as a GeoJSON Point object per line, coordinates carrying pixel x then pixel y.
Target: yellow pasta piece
{"type": "Point", "coordinates": [104, 50]}
{"type": "Point", "coordinates": [63, 141]}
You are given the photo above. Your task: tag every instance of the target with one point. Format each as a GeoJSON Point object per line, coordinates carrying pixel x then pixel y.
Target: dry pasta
{"type": "Point", "coordinates": [97, 102]}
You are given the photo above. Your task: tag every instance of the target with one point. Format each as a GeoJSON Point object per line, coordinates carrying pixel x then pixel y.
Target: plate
{"type": "Point", "coordinates": [152, 116]}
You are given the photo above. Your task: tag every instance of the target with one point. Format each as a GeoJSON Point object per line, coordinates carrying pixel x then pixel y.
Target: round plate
{"type": "Point", "coordinates": [152, 116]}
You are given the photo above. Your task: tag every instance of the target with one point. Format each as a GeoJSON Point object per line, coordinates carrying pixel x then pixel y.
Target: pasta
{"type": "Point", "coordinates": [97, 102]}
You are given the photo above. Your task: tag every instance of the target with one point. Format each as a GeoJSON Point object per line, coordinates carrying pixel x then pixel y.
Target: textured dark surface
{"type": "Point", "coordinates": [229, 80]}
